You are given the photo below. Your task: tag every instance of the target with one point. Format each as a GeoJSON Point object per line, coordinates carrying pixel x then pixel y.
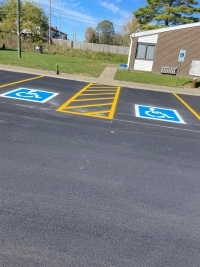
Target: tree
{"type": "Point", "coordinates": [106, 32]}
{"type": "Point", "coordinates": [91, 35]}
{"type": "Point", "coordinates": [131, 26]}
{"type": "Point", "coordinates": [33, 19]}
{"type": "Point", "coordinates": [118, 39]}
{"type": "Point", "coordinates": [1, 13]}
{"type": "Point", "coordinates": [164, 13]}
{"type": "Point", "coordinates": [128, 28]}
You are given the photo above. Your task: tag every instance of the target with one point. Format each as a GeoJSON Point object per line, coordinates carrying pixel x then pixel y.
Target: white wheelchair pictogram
{"type": "Point", "coordinates": [157, 114]}
{"type": "Point", "coordinates": [30, 94]}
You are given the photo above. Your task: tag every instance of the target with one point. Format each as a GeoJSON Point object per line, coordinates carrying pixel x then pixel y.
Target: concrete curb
{"type": "Point", "coordinates": [105, 78]}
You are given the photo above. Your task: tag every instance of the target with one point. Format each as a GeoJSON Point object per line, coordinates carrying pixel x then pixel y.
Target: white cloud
{"type": "Point", "coordinates": [76, 4]}
{"type": "Point", "coordinates": [68, 9]}
{"type": "Point", "coordinates": [115, 9]}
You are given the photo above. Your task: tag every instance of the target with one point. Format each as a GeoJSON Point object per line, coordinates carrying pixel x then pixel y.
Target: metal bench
{"type": "Point", "coordinates": [169, 70]}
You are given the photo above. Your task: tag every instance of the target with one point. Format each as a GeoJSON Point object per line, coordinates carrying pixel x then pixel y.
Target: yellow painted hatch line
{"type": "Point", "coordinates": [97, 112]}
{"type": "Point", "coordinates": [100, 86]}
{"type": "Point", "coordinates": [73, 97]}
{"type": "Point", "coordinates": [87, 106]}
{"type": "Point", "coordinates": [26, 80]}
{"type": "Point", "coordinates": [100, 94]}
{"type": "Point", "coordinates": [80, 104]}
{"type": "Point", "coordinates": [102, 90]}
{"type": "Point", "coordinates": [112, 112]}
{"type": "Point", "coordinates": [187, 106]}
{"type": "Point", "coordinates": [92, 99]}
{"type": "Point", "coordinates": [85, 114]}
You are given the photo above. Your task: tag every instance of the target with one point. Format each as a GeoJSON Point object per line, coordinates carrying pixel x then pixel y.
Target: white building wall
{"type": "Point", "coordinates": [144, 65]}
{"type": "Point", "coordinates": [151, 39]}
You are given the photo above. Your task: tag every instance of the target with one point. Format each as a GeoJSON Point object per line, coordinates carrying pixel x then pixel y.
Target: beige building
{"type": "Point", "coordinates": [158, 50]}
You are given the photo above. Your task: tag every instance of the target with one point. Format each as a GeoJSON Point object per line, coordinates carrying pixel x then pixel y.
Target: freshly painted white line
{"type": "Point", "coordinates": [25, 106]}
{"type": "Point", "coordinates": [155, 125]}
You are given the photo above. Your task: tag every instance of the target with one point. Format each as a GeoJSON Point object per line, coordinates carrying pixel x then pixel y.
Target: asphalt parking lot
{"type": "Point", "coordinates": [114, 103]}
{"type": "Point", "coordinates": [97, 176]}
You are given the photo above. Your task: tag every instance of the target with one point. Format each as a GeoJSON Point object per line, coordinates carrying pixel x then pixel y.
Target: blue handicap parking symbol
{"type": "Point", "coordinates": [30, 95]}
{"type": "Point", "coordinates": [156, 113]}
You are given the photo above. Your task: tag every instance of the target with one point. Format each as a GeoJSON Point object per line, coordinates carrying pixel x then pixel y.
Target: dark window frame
{"type": "Point", "coordinates": [146, 48]}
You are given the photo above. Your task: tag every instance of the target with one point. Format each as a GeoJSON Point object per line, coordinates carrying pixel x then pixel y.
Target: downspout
{"type": "Point", "coordinates": [129, 54]}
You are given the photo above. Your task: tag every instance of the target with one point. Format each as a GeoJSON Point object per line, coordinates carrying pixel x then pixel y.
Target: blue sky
{"type": "Point", "coordinates": [74, 16]}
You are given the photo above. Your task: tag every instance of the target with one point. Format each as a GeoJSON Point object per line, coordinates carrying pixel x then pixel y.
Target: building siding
{"type": "Point", "coordinates": [169, 45]}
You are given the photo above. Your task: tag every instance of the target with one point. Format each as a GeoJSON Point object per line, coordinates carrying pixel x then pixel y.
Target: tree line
{"type": "Point", "coordinates": [155, 14]}
{"type": "Point", "coordinates": [33, 20]}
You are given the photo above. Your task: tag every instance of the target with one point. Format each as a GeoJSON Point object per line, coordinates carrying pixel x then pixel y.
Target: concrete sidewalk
{"type": "Point", "coordinates": [107, 78]}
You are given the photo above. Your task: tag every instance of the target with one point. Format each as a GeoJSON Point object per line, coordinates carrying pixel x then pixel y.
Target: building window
{"type": "Point", "coordinates": [145, 51]}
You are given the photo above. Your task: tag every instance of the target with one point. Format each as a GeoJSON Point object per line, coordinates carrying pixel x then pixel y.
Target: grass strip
{"type": "Point", "coordinates": [151, 78]}
{"type": "Point", "coordinates": [71, 65]}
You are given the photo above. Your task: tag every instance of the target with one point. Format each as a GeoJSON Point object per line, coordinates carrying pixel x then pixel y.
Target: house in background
{"type": "Point", "coordinates": [56, 34]}
{"type": "Point", "coordinates": [158, 50]}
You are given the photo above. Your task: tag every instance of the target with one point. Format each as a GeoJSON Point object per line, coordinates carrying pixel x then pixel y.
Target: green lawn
{"type": "Point", "coordinates": [151, 78]}
{"type": "Point", "coordinates": [71, 65]}
{"type": "Point", "coordinates": [88, 64]}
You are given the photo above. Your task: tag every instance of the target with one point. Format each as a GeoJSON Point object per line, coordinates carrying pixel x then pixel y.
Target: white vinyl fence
{"type": "Point", "coordinates": [113, 49]}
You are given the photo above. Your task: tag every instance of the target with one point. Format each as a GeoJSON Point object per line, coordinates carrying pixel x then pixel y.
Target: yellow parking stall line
{"type": "Point", "coordinates": [93, 99]}
{"type": "Point", "coordinates": [86, 106]}
{"type": "Point", "coordinates": [73, 97]}
{"type": "Point", "coordinates": [111, 115]}
{"type": "Point", "coordinates": [187, 106]}
{"type": "Point", "coordinates": [21, 81]}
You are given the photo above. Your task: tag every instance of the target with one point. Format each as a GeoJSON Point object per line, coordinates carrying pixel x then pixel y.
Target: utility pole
{"type": "Point", "coordinates": [60, 24]}
{"type": "Point", "coordinates": [49, 22]}
{"type": "Point", "coordinates": [74, 33]}
{"type": "Point", "coordinates": [18, 29]}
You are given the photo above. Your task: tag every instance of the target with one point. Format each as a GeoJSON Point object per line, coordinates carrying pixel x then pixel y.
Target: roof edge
{"type": "Point", "coordinates": [172, 28]}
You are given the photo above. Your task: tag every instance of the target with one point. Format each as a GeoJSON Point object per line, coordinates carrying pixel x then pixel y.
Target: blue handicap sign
{"type": "Point", "coordinates": [156, 113]}
{"type": "Point", "coordinates": [30, 95]}
{"type": "Point", "coordinates": [182, 54]}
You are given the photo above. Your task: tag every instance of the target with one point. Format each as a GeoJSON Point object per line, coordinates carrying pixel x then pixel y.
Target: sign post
{"type": "Point", "coordinates": [181, 59]}
{"type": "Point", "coordinates": [18, 29]}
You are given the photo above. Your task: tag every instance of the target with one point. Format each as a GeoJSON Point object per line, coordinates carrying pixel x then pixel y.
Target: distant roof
{"type": "Point", "coordinates": [56, 29]}
{"type": "Point", "coordinates": [172, 28]}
